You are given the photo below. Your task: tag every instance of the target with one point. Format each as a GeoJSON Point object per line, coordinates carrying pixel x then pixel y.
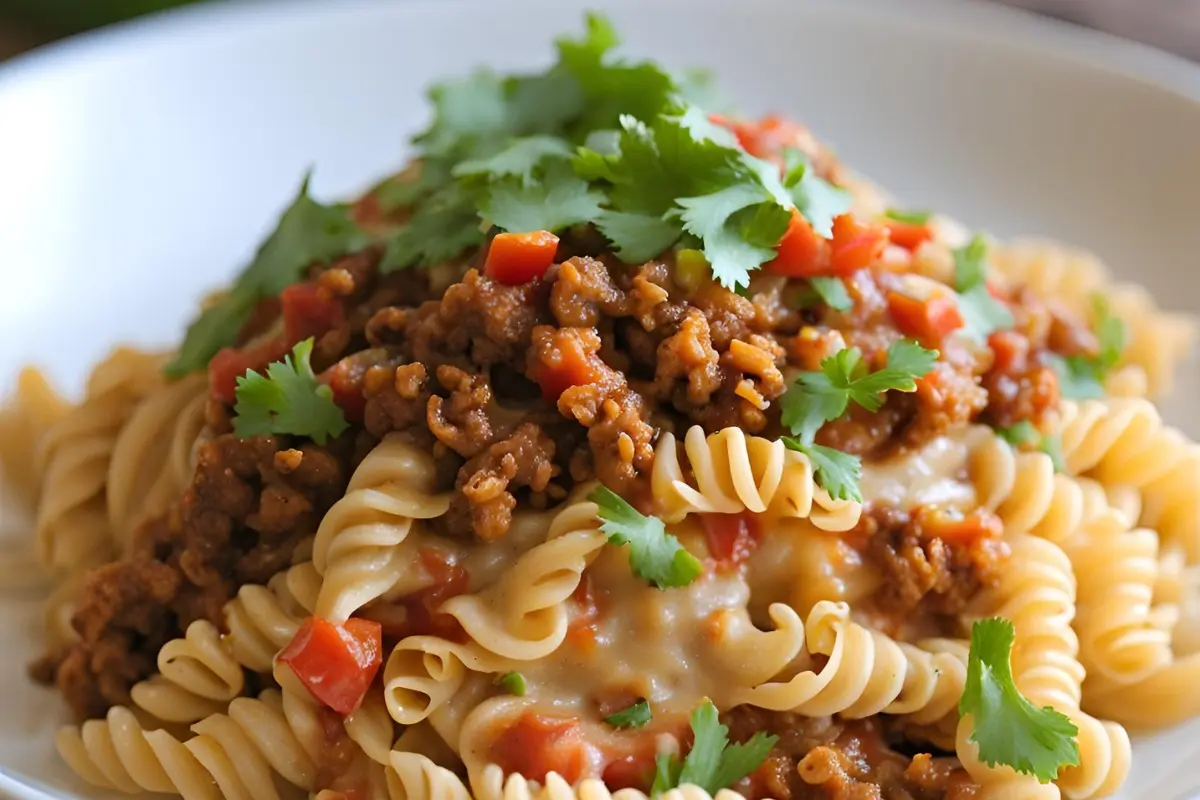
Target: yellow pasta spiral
{"type": "Point", "coordinates": [359, 545]}
{"type": "Point", "coordinates": [732, 472]}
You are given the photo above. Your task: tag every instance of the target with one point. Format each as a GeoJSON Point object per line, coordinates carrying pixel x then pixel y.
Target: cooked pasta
{"type": "Point", "coordinates": [535, 474]}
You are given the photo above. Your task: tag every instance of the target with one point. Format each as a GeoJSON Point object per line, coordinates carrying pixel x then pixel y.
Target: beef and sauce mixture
{"type": "Point", "coordinates": [522, 386]}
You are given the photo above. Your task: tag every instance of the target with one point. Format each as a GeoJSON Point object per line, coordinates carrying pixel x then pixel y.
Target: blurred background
{"type": "Point", "coordinates": [1172, 25]}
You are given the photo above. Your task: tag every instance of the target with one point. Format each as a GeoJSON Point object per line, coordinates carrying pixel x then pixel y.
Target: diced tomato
{"type": "Point", "coordinates": [538, 745]}
{"type": "Point", "coordinates": [516, 258]}
{"type": "Point", "coordinates": [230, 363]}
{"type": "Point", "coordinates": [346, 380]}
{"type": "Point", "coordinates": [581, 632]}
{"type": "Point", "coordinates": [336, 662]}
{"type": "Point", "coordinates": [928, 320]}
{"type": "Point", "coordinates": [765, 138]}
{"type": "Point", "coordinates": [1010, 351]}
{"type": "Point", "coordinates": [634, 771]}
{"type": "Point", "coordinates": [909, 235]}
{"type": "Point", "coordinates": [953, 527]}
{"type": "Point", "coordinates": [801, 252]}
{"type": "Point", "coordinates": [419, 613]}
{"type": "Point", "coordinates": [309, 309]}
{"type": "Point", "coordinates": [576, 365]}
{"type": "Point", "coordinates": [731, 537]}
{"type": "Point", "coordinates": [857, 244]}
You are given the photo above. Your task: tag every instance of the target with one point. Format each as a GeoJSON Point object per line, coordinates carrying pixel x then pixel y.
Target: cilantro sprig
{"type": "Point", "coordinates": [982, 314]}
{"type": "Point", "coordinates": [287, 400]}
{"type": "Point", "coordinates": [823, 396]}
{"type": "Point", "coordinates": [1009, 729]}
{"type": "Point", "coordinates": [910, 217]}
{"type": "Point", "coordinates": [1082, 377]}
{"type": "Point", "coordinates": [635, 716]}
{"type": "Point", "coordinates": [1026, 434]}
{"type": "Point", "coordinates": [654, 554]}
{"type": "Point", "coordinates": [712, 763]}
{"type": "Point", "coordinates": [307, 232]}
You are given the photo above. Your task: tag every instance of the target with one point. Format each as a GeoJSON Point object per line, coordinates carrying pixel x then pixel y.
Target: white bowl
{"type": "Point", "coordinates": [140, 166]}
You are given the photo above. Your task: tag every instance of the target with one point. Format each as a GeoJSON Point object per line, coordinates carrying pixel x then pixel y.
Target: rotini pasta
{"type": "Point", "coordinates": [359, 546]}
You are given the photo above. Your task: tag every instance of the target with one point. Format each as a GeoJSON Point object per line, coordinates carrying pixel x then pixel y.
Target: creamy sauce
{"type": "Point", "coordinates": [935, 474]}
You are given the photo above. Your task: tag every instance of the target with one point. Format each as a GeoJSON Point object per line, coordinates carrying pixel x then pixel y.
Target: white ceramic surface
{"type": "Point", "coordinates": [138, 167]}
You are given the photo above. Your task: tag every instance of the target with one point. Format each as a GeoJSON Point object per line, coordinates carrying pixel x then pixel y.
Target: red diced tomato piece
{"type": "Point", "coordinates": [631, 772]}
{"type": "Point", "coordinates": [1010, 351]}
{"type": "Point", "coordinates": [909, 235]}
{"type": "Point", "coordinates": [309, 309]}
{"type": "Point", "coordinates": [731, 537]}
{"type": "Point", "coordinates": [954, 527]}
{"type": "Point", "coordinates": [801, 252]}
{"type": "Point", "coordinates": [857, 244]}
{"type": "Point", "coordinates": [765, 138]}
{"type": "Point", "coordinates": [230, 363]}
{"type": "Point", "coordinates": [345, 378]}
{"type": "Point", "coordinates": [929, 320]}
{"type": "Point", "coordinates": [336, 662]}
{"type": "Point", "coordinates": [516, 258]}
{"type": "Point", "coordinates": [538, 745]}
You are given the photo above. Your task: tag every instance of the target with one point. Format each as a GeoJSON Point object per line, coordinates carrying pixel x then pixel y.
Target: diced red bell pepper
{"type": "Point", "coordinates": [309, 309]}
{"type": "Point", "coordinates": [765, 138]}
{"type": "Point", "coordinates": [857, 244]}
{"type": "Point", "coordinates": [909, 235]}
{"type": "Point", "coordinates": [230, 363]}
{"type": "Point", "coordinates": [929, 320]}
{"type": "Point", "coordinates": [731, 537]}
{"type": "Point", "coordinates": [801, 252]}
{"type": "Point", "coordinates": [336, 662]}
{"type": "Point", "coordinates": [537, 745]}
{"type": "Point", "coordinates": [516, 258]}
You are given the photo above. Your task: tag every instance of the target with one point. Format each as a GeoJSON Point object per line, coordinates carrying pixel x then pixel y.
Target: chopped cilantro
{"type": "Point", "coordinates": [822, 396]}
{"type": "Point", "coordinates": [911, 217]}
{"type": "Point", "coordinates": [518, 159]}
{"type": "Point", "coordinates": [818, 200]}
{"type": "Point", "coordinates": [307, 232]}
{"type": "Point", "coordinates": [287, 400]}
{"type": "Point", "coordinates": [558, 201]}
{"type": "Point", "coordinates": [1082, 377]}
{"type": "Point", "coordinates": [444, 225]}
{"type": "Point", "coordinates": [712, 763]}
{"type": "Point", "coordinates": [982, 314]}
{"type": "Point", "coordinates": [837, 473]}
{"type": "Point", "coordinates": [513, 683]}
{"type": "Point", "coordinates": [654, 554]}
{"type": "Point", "coordinates": [1008, 728]}
{"type": "Point", "coordinates": [635, 716]}
{"type": "Point", "coordinates": [832, 292]}
{"type": "Point", "coordinates": [1026, 434]}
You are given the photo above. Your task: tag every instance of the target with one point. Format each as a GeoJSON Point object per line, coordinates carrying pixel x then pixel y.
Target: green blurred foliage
{"type": "Point", "coordinates": [60, 17]}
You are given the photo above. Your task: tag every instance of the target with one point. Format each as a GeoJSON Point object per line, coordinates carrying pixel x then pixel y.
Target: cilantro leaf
{"type": "Point", "coordinates": [635, 716]}
{"type": "Point", "coordinates": [637, 237]}
{"type": "Point", "coordinates": [287, 400]}
{"type": "Point", "coordinates": [836, 472]}
{"type": "Point", "coordinates": [906, 361]}
{"type": "Point", "coordinates": [558, 201]}
{"type": "Point", "coordinates": [817, 199]}
{"type": "Point", "coordinates": [1008, 728]}
{"type": "Point", "coordinates": [513, 683]}
{"type": "Point", "coordinates": [712, 763]}
{"type": "Point", "coordinates": [911, 217]}
{"type": "Point", "coordinates": [1026, 434]}
{"type": "Point", "coordinates": [1081, 377]}
{"type": "Point", "coordinates": [518, 159]}
{"type": "Point", "coordinates": [654, 554]}
{"type": "Point", "coordinates": [307, 232]}
{"type": "Point", "coordinates": [445, 224]}
{"type": "Point", "coordinates": [832, 292]}
{"type": "Point", "coordinates": [465, 109]}
{"type": "Point", "coordinates": [1053, 447]}
{"type": "Point", "coordinates": [982, 314]}
{"type": "Point", "coordinates": [730, 238]}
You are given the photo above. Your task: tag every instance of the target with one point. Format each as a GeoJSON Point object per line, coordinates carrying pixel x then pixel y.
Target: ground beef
{"type": "Point", "coordinates": [821, 758]}
{"type": "Point", "coordinates": [250, 503]}
{"type": "Point", "coordinates": [933, 561]}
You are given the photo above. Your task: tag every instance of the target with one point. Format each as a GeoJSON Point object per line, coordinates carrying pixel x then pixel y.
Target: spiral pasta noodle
{"type": "Point", "coordinates": [34, 407]}
{"type": "Point", "coordinates": [732, 472]}
{"type": "Point", "coordinates": [199, 674]}
{"type": "Point", "coordinates": [358, 549]}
